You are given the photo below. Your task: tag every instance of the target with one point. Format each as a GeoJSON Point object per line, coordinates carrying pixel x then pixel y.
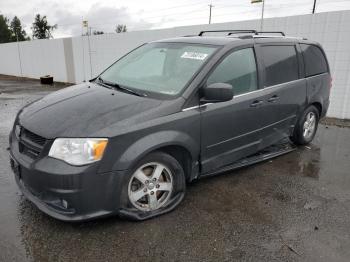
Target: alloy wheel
{"type": "Point", "coordinates": [150, 186]}
{"type": "Point", "coordinates": [309, 125]}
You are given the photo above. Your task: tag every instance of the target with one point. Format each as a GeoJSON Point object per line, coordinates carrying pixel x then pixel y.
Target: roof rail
{"type": "Point", "coordinates": [248, 31]}
{"type": "Point", "coordinates": [242, 32]}
{"type": "Point", "coordinates": [227, 31]}
{"type": "Point", "coordinates": [270, 32]}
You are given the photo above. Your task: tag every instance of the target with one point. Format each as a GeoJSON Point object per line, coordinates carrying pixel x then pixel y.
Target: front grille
{"type": "Point", "coordinates": [29, 143]}
{"type": "Point", "coordinates": [27, 135]}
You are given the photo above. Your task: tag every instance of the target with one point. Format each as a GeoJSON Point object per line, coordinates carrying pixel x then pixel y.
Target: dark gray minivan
{"type": "Point", "coordinates": [169, 112]}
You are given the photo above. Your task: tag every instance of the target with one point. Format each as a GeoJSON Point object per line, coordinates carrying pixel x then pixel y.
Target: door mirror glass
{"type": "Point", "coordinates": [217, 92]}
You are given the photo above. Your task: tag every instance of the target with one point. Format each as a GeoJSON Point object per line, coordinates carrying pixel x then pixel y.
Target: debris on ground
{"type": "Point", "coordinates": [312, 205]}
{"type": "Point", "coordinates": [289, 246]}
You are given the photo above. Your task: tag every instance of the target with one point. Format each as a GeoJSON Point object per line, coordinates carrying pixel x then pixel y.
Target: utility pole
{"type": "Point", "coordinates": [314, 8]}
{"type": "Point", "coordinates": [262, 16]}
{"type": "Point", "coordinates": [19, 55]}
{"type": "Point", "coordinates": [89, 46]}
{"type": "Point", "coordinates": [210, 7]}
{"type": "Point", "coordinates": [84, 24]}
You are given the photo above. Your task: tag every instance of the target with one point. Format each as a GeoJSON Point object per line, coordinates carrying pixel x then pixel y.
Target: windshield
{"type": "Point", "coordinates": [163, 68]}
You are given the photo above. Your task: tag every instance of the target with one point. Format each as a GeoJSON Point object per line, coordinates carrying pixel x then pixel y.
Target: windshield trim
{"type": "Point", "coordinates": [163, 96]}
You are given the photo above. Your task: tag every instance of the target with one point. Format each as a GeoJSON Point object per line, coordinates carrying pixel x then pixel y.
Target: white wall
{"type": "Point", "coordinates": [38, 58]}
{"type": "Point", "coordinates": [41, 57]}
{"type": "Point", "coordinates": [9, 60]}
{"type": "Point", "coordinates": [44, 57]}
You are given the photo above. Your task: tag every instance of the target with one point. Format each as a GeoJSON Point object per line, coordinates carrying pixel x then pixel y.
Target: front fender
{"type": "Point", "coordinates": [152, 142]}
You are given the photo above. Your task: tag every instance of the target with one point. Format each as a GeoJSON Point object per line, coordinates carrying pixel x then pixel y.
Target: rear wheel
{"type": "Point", "coordinates": [156, 185]}
{"type": "Point", "coordinates": [306, 127]}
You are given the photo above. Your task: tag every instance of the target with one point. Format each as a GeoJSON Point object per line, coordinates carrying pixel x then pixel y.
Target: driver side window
{"type": "Point", "coordinates": [237, 69]}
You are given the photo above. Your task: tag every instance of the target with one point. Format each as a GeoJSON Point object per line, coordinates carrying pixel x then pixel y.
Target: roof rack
{"type": "Point", "coordinates": [270, 32]}
{"type": "Point", "coordinates": [247, 34]}
{"type": "Point", "coordinates": [227, 31]}
{"type": "Point", "coordinates": [232, 32]}
{"type": "Point", "coordinates": [272, 36]}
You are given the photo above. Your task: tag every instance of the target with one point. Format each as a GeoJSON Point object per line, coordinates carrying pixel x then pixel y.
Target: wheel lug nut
{"type": "Point", "coordinates": [157, 186]}
{"type": "Point", "coordinates": [152, 192]}
{"type": "Point", "coordinates": [146, 182]}
{"type": "Point", "coordinates": [154, 179]}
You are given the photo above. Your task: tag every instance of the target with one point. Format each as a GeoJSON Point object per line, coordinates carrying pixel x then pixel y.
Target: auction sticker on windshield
{"type": "Point", "coordinates": [194, 55]}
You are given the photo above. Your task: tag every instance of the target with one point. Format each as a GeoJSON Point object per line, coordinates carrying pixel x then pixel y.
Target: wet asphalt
{"type": "Point", "coordinates": [293, 208]}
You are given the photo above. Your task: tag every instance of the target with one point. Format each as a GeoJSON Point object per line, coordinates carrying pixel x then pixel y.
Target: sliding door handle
{"type": "Point", "coordinates": [273, 99]}
{"type": "Point", "coordinates": [256, 103]}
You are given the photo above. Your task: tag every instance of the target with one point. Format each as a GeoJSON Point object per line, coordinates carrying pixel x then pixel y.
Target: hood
{"type": "Point", "coordinates": [82, 110]}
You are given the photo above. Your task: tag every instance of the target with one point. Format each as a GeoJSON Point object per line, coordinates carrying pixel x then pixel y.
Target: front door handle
{"type": "Point", "coordinates": [273, 99]}
{"type": "Point", "coordinates": [256, 103]}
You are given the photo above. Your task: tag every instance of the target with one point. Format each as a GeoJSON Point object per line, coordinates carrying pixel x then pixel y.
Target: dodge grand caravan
{"type": "Point", "coordinates": [168, 112]}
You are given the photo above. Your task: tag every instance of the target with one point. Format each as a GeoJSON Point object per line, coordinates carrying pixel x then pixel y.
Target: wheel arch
{"type": "Point", "coordinates": [182, 155]}
{"type": "Point", "coordinates": [177, 144]}
{"type": "Point", "coordinates": [318, 105]}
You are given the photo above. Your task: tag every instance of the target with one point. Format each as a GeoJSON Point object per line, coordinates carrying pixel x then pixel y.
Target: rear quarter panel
{"type": "Point", "coordinates": [318, 86]}
{"type": "Point", "coordinates": [318, 90]}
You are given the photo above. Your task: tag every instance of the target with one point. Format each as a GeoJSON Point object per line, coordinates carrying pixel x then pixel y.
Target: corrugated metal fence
{"type": "Point", "coordinates": [80, 58]}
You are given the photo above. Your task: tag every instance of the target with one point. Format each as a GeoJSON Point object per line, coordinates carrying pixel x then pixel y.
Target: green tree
{"type": "Point", "coordinates": [120, 29]}
{"type": "Point", "coordinates": [17, 31]}
{"type": "Point", "coordinates": [41, 29]}
{"type": "Point", "coordinates": [5, 32]}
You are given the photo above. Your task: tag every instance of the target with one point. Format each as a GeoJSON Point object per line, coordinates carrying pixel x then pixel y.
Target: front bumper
{"type": "Point", "coordinates": [65, 192]}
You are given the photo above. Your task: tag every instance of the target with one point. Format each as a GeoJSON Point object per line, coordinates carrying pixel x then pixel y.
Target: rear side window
{"type": "Point", "coordinates": [281, 64]}
{"type": "Point", "coordinates": [237, 69]}
{"type": "Point", "coordinates": [315, 62]}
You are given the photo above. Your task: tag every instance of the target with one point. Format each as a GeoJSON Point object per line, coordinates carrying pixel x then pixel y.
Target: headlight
{"type": "Point", "coordinates": [78, 151]}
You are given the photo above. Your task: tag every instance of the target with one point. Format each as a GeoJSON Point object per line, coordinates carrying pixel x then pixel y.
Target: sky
{"type": "Point", "coordinates": [104, 15]}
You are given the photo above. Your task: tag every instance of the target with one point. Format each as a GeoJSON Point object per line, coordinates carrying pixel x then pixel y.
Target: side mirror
{"type": "Point", "coordinates": [217, 92]}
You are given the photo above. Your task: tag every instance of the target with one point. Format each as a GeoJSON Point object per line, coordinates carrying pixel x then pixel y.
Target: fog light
{"type": "Point", "coordinates": [64, 203]}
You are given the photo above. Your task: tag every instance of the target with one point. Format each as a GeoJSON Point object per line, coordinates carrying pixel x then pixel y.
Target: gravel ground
{"type": "Point", "coordinates": [293, 208]}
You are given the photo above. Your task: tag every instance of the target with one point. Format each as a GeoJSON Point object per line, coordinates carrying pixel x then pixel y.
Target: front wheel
{"type": "Point", "coordinates": [306, 127]}
{"type": "Point", "coordinates": [156, 185]}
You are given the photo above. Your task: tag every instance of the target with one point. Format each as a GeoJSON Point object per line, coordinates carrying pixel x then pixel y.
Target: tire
{"type": "Point", "coordinates": [156, 185]}
{"type": "Point", "coordinates": [306, 127]}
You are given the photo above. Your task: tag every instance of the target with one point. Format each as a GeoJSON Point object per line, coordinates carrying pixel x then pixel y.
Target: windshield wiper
{"type": "Point", "coordinates": [117, 86]}
{"type": "Point", "coordinates": [102, 82]}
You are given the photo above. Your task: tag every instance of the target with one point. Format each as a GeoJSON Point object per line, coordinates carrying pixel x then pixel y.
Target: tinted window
{"type": "Point", "coordinates": [281, 64]}
{"type": "Point", "coordinates": [315, 62]}
{"type": "Point", "coordinates": [237, 69]}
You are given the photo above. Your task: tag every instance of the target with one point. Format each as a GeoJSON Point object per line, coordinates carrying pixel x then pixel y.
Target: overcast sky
{"type": "Point", "coordinates": [140, 14]}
